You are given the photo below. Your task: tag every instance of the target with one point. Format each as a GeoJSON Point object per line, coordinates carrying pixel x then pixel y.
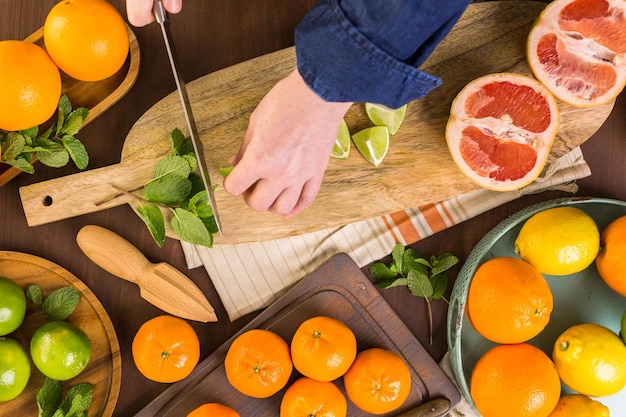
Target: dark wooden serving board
{"type": "Point", "coordinates": [338, 289]}
{"type": "Point", "coordinates": [490, 37]}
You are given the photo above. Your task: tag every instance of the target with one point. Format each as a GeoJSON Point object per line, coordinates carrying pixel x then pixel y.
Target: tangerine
{"type": "Point", "coordinates": [87, 39]}
{"type": "Point", "coordinates": [611, 259]}
{"type": "Point", "coordinates": [508, 300]}
{"type": "Point", "coordinates": [517, 380]}
{"type": "Point", "coordinates": [308, 397]}
{"type": "Point", "coordinates": [323, 348]}
{"type": "Point", "coordinates": [258, 363]}
{"type": "Point", "coordinates": [213, 410]}
{"type": "Point", "coordinates": [501, 129]}
{"type": "Point", "coordinates": [30, 85]}
{"type": "Point", "coordinates": [378, 382]}
{"type": "Point", "coordinates": [577, 48]}
{"type": "Point", "coordinates": [166, 349]}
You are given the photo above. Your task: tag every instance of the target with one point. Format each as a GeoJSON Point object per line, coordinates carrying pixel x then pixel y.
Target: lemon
{"type": "Point", "coordinates": [384, 116]}
{"type": "Point", "coordinates": [372, 143]}
{"type": "Point", "coordinates": [591, 360]}
{"type": "Point", "coordinates": [559, 241]}
{"type": "Point", "coordinates": [341, 149]}
{"type": "Point", "coordinates": [578, 405]}
{"type": "Point", "coordinates": [12, 306]}
{"type": "Point", "coordinates": [14, 369]}
{"type": "Point", "coordinates": [60, 350]}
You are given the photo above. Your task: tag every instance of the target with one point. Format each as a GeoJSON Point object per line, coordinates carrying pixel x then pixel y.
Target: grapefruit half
{"type": "Point", "coordinates": [501, 129]}
{"type": "Point", "coordinates": [577, 49]}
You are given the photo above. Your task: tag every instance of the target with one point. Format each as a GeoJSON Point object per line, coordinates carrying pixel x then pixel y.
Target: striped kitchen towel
{"type": "Point", "coordinates": [250, 276]}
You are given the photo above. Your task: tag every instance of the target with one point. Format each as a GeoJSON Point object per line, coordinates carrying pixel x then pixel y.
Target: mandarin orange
{"type": "Point", "coordinates": [213, 410]}
{"type": "Point", "coordinates": [308, 397]}
{"type": "Point", "coordinates": [611, 260]}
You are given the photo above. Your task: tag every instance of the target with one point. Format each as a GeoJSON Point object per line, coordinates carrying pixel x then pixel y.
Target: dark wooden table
{"type": "Point", "coordinates": [210, 35]}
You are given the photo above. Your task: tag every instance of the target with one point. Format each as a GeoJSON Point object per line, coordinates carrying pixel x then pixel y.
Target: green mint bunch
{"type": "Point", "coordinates": [51, 403]}
{"type": "Point", "coordinates": [54, 148]}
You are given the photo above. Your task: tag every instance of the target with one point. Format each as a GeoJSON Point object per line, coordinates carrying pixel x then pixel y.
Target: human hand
{"type": "Point", "coordinates": [286, 148]}
{"type": "Point", "coordinates": [140, 13]}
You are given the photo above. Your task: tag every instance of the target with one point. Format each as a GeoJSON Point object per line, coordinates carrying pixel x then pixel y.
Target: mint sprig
{"type": "Point", "coordinates": [51, 403]}
{"type": "Point", "coordinates": [54, 148]}
{"type": "Point", "coordinates": [58, 305]}
{"type": "Point", "coordinates": [424, 278]}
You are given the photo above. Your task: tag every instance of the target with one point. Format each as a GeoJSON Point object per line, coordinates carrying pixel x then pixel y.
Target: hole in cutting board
{"type": "Point", "coordinates": [47, 201]}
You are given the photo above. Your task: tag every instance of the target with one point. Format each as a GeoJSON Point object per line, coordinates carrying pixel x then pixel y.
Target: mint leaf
{"type": "Point", "coordinates": [224, 171]}
{"type": "Point", "coordinates": [172, 165]}
{"type": "Point", "coordinates": [170, 189]}
{"type": "Point", "coordinates": [419, 284]}
{"type": "Point", "coordinates": [49, 397]}
{"type": "Point", "coordinates": [77, 400]}
{"type": "Point", "coordinates": [76, 151]}
{"type": "Point", "coordinates": [54, 154]}
{"type": "Point", "coordinates": [13, 146]}
{"type": "Point", "coordinates": [443, 263]}
{"type": "Point", "coordinates": [61, 303]}
{"type": "Point", "coordinates": [380, 271]}
{"type": "Point", "coordinates": [178, 142]}
{"type": "Point", "coordinates": [190, 228]}
{"type": "Point", "coordinates": [199, 204]}
{"type": "Point", "coordinates": [439, 283]}
{"type": "Point", "coordinates": [34, 294]}
{"type": "Point", "coordinates": [153, 218]}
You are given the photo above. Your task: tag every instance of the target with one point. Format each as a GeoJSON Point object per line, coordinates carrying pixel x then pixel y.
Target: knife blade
{"type": "Point", "coordinates": [161, 17]}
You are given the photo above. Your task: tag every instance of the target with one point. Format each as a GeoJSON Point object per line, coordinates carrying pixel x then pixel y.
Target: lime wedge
{"type": "Point", "coordinates": [384, 116]}
{"type": "Point", "coordinates": [372, 143]}
{"type": "Point", "coordinates": [341, 149]}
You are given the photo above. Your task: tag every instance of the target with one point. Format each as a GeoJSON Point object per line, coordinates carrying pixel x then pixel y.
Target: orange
{"type": "Point", "coordinates": [323, 348]}
{"type": "Point", "coordinates": [87, 39]}
{"type": "Point", "coordinates": [30, 85]}
{"type": "Point", "coordinates": [213, 410]}
{"type": "Point", "coordinates": [166, 349]}
{"type": "Point", "coordinates": [378, 382]}
{"type": "Point", "coordinates": [308, 397]}
{"type": "Point", "coordinates": [501, 129]}
{"type": "Point", "coordinates": [515, 381]}
{"type": "Point", "coordinates": [611, 260]}
{"type": "Point", "coordinates": [258, 363]}
{"type": "Point", "coordinates": [508, 300]}
{"type": "Point", "coordinates": [577, 48]}
{"type": "Point", "coordinates": [578, 405]}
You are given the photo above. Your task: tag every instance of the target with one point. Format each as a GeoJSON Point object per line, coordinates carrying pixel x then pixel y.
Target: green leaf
{"type": "Point", "coordinates": [171, 165]}
{"type": "Point", "coordinates": [419, 285]}
{"type": "Point", "coordinates": [54, 155]}
{"type": "Point", "coordinates": [397, 255]}
{"type": "Point", "coordinates": [440, 284]}
{"type": "Point", "coordinates": [199, 205]}
{"type": "Point", "coordinates": [190, 228]}
{"type": "Point", "coordinates": [76, 151]}
{"type": "Point", "coordinates": [178, 141]}
{"type": "Point", "coordinates": [170, 189]}
{"type": "Point", "coordinates": [49, 397]}
{"type": "Point", "coordinates": [72, 124]}
{"type": "Point", "coordinates": [381, 271]}
{"type": "Point", "coordinates": [34, 294]}
{"type": "Point", "coordinates": [153, 218]}
{"type": "Point", "coordinates": [13, 146]}
{"type": "Point", "coordinates": [22, 164]}
{"type": "Point", "coordinates": [77, 399]}
{"type": "Point", "coordinates": [31, 132]}
{"type": "Point", "coordinates": [61, 303]}
{"type": "Point", "coordinates": [224, 171]}
{"type": "Point", "coordinates": [191, 160]}
{"type": "Point", "coordinates": [390, 283]}
{"type": "Point", "coordinates": [443, 263]}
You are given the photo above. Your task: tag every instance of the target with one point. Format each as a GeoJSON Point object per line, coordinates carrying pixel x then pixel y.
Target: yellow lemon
{"type": "Point", "coordinates": [591, 360]}
{"type": "Point", "coordinates": [578, 405]}
{"type": "Point", "coordinates": [559, 241]}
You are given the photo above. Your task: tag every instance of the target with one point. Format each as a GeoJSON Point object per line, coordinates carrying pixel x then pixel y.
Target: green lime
{"type": "Point", "coordinates": [12, 306]}
{"type": "Point", "coordinates": [14, 369]}
{"type": "Point", "coordinates": [384, 116]}
{"type": "Point", "coordinates": [341, 149]}
{"type": "Point", "coordinates": [372, 143]}
{"type": "Point", "coordinates": [60, 350]}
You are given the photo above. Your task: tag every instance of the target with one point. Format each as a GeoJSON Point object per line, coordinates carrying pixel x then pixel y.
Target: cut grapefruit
{"type": "Point", "coordinates": [577, 49]}
{"type": "Point", "coordinates": [501, 129]}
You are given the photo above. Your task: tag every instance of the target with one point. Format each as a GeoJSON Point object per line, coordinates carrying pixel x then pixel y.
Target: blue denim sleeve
{"type": "Point", "coordinates": [369, 50]}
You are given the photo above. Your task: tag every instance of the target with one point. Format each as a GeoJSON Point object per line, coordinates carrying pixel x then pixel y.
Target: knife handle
{"type": "Point", "coordinates": [436, 407]}
{"type": "Point", "coordinates": [113, 253]}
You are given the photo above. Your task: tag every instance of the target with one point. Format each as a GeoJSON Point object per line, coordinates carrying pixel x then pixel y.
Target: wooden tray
{"type": "Point", "coordinates": [104, 369]}
{"type": "Point", "coordinates": [97, 96]}
{"type": "Point", "coordinates": [490, 37]}
{"type": "Point", "coordinates": [338, 289]}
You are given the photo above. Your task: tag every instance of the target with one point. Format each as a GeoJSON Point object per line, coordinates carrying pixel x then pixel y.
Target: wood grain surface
{"type": "Point", "coordinates": [490, 37]}
{"type": "Point", "coordinates": [104, 370]}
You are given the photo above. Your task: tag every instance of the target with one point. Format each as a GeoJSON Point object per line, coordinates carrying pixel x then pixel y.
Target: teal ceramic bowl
{"type": "Point", "coordinates": [578, 298]}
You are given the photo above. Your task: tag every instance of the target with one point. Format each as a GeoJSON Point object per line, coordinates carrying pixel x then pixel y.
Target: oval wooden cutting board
{"type": "Point", "coordinates": [490, 37]}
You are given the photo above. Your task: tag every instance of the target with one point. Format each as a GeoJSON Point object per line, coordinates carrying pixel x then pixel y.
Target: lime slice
{"type": "Point", "coordinates": [341, 149]}
{"type": "Point", "coordinates": [384, 116]}
{"type": "Point", "coordinates": [372, 143]}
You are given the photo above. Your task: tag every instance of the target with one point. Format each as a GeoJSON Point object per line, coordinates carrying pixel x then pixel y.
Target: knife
{"type": "Point", "coordinates": [160, 284]}
{"type": "Point", "coordinates": [161, 17]}
{"type": "Point", "coordinates": [433, 408]}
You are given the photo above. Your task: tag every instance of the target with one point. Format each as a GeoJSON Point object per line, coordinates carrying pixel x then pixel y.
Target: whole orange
{"type": "Point", "coordinates": [517, 380]}
{"type": "Point", "coordinates": [508, 300]}
{"type": "Point", "coordinates": [166, 349]}
{"type": "Point", "coordinates": [87, 39]}
{"type": "Point", "coordinates": [213, 410]}
{"type": "Point", "coordinates": [308, 397]}
{"type": "Point", "coordinates": [611, 260]}
{"type": "Point", "coordinates": [378, 382]}
{"type": "Point", "coordinates": [258, 363]}
{"type": "Point", "coordinates": [30, 85]}
{"type": "Point", "coordinates": [323, 348]}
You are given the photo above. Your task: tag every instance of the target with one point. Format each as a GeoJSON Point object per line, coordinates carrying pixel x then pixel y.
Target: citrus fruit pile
{"type": "Point", "coordinates": [85, 39]}
{"type": "Point", "coordinates": [502, 126]}
{"type": "Point", "coordinates": [509, 302]}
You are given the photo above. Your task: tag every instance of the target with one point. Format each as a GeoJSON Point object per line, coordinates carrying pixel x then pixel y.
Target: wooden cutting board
{"type": "Point", "coordinates": [339, 289]}
{"type": "Point", "coordinates": [490, 37]}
